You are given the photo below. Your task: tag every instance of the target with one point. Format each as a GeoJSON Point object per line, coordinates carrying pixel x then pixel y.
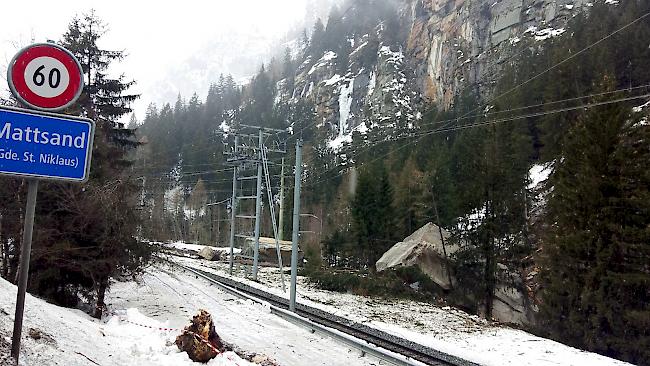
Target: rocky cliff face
{"type": "Point", "coordinates": [449, 45]}
{"type": "Point", "coordinates": [377, 91]}
{"type": "Point", "coordinates": [458, 43]}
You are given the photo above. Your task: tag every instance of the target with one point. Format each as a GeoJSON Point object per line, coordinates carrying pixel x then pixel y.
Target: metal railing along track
{"type": "Point", "coordinates": [367, 340]}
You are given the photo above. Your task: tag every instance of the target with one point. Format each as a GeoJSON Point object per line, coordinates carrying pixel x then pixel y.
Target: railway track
{"type": "Point", "coordinates": [373, 341]}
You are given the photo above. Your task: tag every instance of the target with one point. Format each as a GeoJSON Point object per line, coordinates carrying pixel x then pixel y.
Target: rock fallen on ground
{"type": "Point", "coordinates": [211, 254]}
{"type": "Point", "coordinates": [423, 249]}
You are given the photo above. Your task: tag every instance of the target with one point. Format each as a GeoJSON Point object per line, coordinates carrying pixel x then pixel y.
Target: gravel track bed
{"type": "Point", "coordinates": [372, 335]}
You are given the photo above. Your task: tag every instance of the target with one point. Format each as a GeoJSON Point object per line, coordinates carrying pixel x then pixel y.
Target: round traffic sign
{"type": "Point", "coordinates": [45, 76]}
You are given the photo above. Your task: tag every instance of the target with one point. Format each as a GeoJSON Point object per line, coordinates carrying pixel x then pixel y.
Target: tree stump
{"type": "Point", "coordinates": [197, 338]}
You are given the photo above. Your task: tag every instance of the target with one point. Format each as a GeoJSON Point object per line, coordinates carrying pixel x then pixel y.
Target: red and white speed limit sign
{"type": "Point", "coordinates": [45, 77]}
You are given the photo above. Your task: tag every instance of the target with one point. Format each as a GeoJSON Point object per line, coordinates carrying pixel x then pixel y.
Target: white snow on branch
{"type": "Point", "coordinates": [640, 108]}
{"type": "Point", "coordinates": [337, 143]}
{"type": "Point", "coordinates": [539, 173]}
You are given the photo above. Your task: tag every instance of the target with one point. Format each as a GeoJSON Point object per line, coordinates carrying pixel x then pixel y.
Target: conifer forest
{"type": "Point", "coordinates": [489, 158]}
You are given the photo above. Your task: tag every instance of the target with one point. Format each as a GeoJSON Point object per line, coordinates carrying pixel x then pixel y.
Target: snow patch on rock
{"type": "Point", "coordinates": [327, 57]}
{"type": "Point", "coordinates": [333, 80]}
{"type": "Point", "coordinates": [372, 83]}
{"type": "Point", "coordinates": [544, 34]}
{"type": "Point", "coordinates": [345, 105]}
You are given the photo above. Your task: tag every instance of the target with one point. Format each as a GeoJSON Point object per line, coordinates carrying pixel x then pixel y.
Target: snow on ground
{"type": "Point", "coordinates": [196, 247]}
{"type": "Point", "coordinates": [443, 328]}
{"type": "Point", "coordinates": [169, 298]}
{"type": "Point", "coordinates": [172, 297]}
{"type": "Point", "coordinates": [71, 338]}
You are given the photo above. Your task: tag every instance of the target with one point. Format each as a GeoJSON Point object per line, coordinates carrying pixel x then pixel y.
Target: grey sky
{"type": "Point", "coordinates": [167, 42]}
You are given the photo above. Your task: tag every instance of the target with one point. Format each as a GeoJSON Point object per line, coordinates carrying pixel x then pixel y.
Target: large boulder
{"type": "Point", "coordinates": [269, 253]}
{"type": "Point", "coordinates": [511, 304]}
{"type": "Point", "coordinates": [210, 253]}
{"type": "Point", "coordinates": [425, 250]}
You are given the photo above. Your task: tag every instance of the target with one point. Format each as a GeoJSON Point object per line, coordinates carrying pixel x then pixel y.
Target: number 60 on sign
{"type": "Point", "coordinates": [46, 77]}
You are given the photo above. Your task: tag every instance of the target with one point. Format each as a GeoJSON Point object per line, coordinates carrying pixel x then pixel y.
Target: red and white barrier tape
{"type": "Point", "coordinates": [150, 327]}
{"type": "Point", "coordinates": [201, 339]}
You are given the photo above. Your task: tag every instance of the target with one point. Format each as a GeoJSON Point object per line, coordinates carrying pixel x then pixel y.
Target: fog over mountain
{"type": "Point", "coordinates": [461, 181]}
{"type": "Point", "coordinates": [238, 49]}
{"type": "Point", "coordinates": [171, 49]}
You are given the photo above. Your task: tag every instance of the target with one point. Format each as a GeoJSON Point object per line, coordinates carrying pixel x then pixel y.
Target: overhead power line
{"type": "Point", "coordinates": [372, 144]}
{"type": "Point", "coordinates": [537, 105]}
{"type": "Point", "coordinates": [419, 137]}
{"type": "Point", "coordinates": [563, 61]}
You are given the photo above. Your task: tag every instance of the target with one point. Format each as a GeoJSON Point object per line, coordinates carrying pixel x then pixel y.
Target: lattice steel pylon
{"type": "Point", "coordinates": [272, 210]}
{"type": "Point", "coordinates": [251, 150]}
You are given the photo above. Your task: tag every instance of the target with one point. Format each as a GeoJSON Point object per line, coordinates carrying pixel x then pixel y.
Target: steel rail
{"type": "Point", "coordinates": [365, 339]}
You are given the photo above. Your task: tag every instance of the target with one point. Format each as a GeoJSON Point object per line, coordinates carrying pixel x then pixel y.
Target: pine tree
{"type": "Point", "coordinates": [411, 208]}
{"type": "Point", "coordinates": [372, 214]}
{"type": "Point", "coordinates": [260, 105]}
{"type": "Point", "coordinates": [86, 233]}
{"type": "Point", "coordinates": [288, 69]}
{"type": "Point", "coordinates": [133, 122]}
{"type": "Point", "coordinates": [335, 31]}
{"type": "Point", "coordinates": [363, 209]}
{"type": "Point", "coordinates": [492, 228]}
{"type": "Point", "coordinates": [103, 97]}
{"type": "Point", "coordinates": [596, 277]}
{"type": "Point", "coordinates": [317, 44]}
{"type": "Point", "coordinates": [199, 226]}
{"type": "Point", "coordinates": [385, 220]}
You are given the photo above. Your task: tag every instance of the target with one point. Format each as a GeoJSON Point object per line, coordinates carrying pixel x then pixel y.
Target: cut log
{"type": "Point", "coordinates": [200, 340]}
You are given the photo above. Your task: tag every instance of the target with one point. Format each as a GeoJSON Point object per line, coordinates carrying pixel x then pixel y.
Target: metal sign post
{"type": "Point", "coordinates": [296, 226]}
{"type": "Point", "coordinates": [25, 251]}
{"type": "Point", "coordinates": [38, 145]}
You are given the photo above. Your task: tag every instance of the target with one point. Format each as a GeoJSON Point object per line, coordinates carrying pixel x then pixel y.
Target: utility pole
{"type": "Point", "coordinates": [218, 233]}
{"type": "Point", "coordinates": [296, 225]}
{"type": "Point", "coordinates": [281, 220]}
{"type": "Point", "coordinates": [258, 208]}
{"type": "Point", "coordinates": [233, 209]}
{"type": "Point", "coordinates": [250, 151]}
{"type": "Point", "coordinates": [211, 239]}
